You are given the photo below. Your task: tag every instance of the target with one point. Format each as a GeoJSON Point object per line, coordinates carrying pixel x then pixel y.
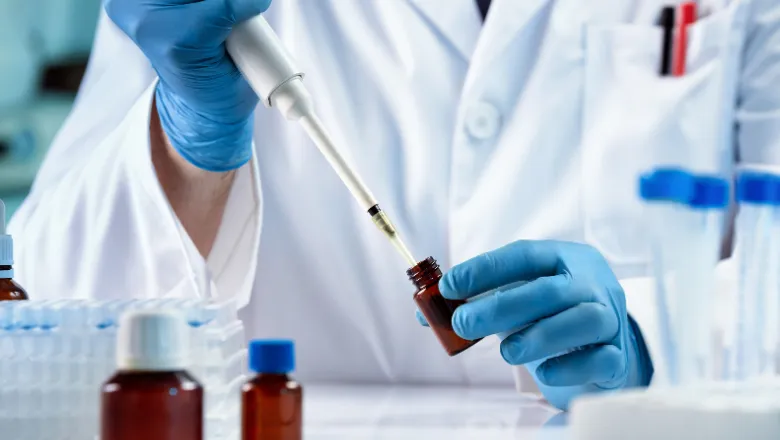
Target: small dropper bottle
{"type": "Point", "coordinates": [9, 289]}
{"type": "Point", "coordinates": [272, 402]}
{"type": "Point", "coordinates": [152, 396]}
{"type": "Point", "coordinates": [437, 310]}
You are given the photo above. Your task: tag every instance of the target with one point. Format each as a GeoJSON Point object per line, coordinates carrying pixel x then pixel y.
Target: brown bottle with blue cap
{"type": "Point", "coordinates": [272, 402]}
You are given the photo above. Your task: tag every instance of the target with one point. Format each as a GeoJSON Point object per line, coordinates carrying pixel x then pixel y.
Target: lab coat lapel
{"type": "Point", "coordinates": [457, 20]}
{"type": "Point", "coordinates": [505, 19]}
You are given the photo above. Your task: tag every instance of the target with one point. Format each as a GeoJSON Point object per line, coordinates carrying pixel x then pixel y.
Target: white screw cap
{"type": "Point", "coordinates": [153, 340]}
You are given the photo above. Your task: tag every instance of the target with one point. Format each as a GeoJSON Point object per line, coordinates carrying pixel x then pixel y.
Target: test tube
{"type": "Point", "coordinates": [756, 197]}
{"type": "Point", "coordinates": [666, 193]}
{"type": "Point", "coordinates": [708, 203]}
{"type": "Point", "coordinates": [771, 330]}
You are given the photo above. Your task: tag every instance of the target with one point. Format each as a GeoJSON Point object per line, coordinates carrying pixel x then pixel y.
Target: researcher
{"type": "Point", "coordinates": [504, 138]}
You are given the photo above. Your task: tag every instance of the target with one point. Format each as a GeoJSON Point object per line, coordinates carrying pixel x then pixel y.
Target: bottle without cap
{"type": "Point", "coordinates": [152, 396]}
{"type": "Point", "coordinates": [272, 402]}
{"type": "Point", "coordinates": [437, 310]}
{"type": "Point", "coordinates": [9, 289]}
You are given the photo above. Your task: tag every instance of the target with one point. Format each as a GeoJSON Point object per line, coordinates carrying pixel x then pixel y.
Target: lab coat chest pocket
{"type": "Point", "coordinates": [634, 119]}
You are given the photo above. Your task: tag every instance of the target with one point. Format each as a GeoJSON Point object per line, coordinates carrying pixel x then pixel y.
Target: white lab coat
{"type": "Point", "coordinates": [535, 125]}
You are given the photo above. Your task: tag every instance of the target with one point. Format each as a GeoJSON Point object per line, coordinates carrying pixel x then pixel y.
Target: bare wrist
{"type": "Point", "coordinates": [198, 197]}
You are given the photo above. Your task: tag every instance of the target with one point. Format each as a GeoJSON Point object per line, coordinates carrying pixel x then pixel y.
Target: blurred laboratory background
{"type": "Point", "coordinates": [44, 48]}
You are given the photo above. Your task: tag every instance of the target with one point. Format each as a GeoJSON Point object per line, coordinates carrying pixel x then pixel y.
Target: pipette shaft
{"type": "Point", "coordinates": [316, 131]}
{"type": "Point", "coordinates": [271, 71]}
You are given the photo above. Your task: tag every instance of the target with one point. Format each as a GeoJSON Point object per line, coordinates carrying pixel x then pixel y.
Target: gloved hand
{"type": "Point", "coordinates": [205, 105]}
{"type": "Point", "coordinates": [562, 311]}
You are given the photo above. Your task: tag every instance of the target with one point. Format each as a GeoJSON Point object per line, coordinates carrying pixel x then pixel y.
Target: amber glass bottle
{"type": "Point", "coordinates": [9, 290]}
{"type": "Point", "coordinates": [272, 403]}
{"type": "Point", "coordinates": [437, 309]}
{"type": "Point", "coordinates": [152, 397]}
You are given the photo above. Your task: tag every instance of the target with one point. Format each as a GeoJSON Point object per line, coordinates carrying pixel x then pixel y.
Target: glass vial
{"type": "Point", "coordinates": [437, 310]}
{"type": "Point", "coordinates": [9, 289]}
{"type": "Point", "coordinates": [152, 396]}
{"type": "Point", "coordinates": [272, 402]}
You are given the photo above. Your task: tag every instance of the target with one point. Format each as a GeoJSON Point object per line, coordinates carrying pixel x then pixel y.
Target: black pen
{"type": "Point", "coordinates": [667, 22]}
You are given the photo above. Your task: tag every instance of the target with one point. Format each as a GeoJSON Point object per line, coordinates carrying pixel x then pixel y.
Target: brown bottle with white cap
{"type": "Point", "coordinates": [9, 289]}
{"type": "Point", "coordinates": [152, 396]}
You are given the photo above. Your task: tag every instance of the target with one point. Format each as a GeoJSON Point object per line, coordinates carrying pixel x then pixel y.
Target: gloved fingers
{"type": "Point", "coordinates": [245, 9]}
{"type": "Point", "coordinates": [505, 310]}
{"type": "Point", "coordinates": [421, 319]}
{"type": "Point", "coordinates": [582, 325]}
{"type": "Point", "coordinates": [518, 261]}
{"type": "Point", "coordinates": [592, 365]}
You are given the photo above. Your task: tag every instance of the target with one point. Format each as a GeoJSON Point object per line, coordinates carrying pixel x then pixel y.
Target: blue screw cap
{"type": "Point", "coordinates": [666, 184]}
{"type": "Point", "coordinates": [710, 192]}
{"type": "Point", "coordinates": [273, 356]}
{"type": "Point", "coordinates": [758, 188]}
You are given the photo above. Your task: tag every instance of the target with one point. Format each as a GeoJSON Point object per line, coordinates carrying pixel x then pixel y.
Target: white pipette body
{"type": "Point", "coordinates": [272, 73]}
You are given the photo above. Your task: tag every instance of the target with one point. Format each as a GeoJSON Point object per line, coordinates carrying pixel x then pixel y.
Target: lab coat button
{"type": "Point", "coordinates": [483, 121]}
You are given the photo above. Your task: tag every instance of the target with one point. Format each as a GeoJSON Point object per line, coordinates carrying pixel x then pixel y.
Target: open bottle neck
{"type": "Point", "coordinates": [272, 377]}
{"type": "Point", "coordinates": [425, 274]}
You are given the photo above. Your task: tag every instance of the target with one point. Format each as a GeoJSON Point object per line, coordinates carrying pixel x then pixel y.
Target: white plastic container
{"type": "Point", "coordinates": [712, 411]}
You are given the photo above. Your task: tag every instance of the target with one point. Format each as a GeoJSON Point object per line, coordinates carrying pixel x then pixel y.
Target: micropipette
{"type": "Point", "coordinates": [272, 73]}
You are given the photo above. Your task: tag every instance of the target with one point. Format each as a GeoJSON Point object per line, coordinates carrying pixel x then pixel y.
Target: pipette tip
{"type": "Point", "coordinates": [382, 221]}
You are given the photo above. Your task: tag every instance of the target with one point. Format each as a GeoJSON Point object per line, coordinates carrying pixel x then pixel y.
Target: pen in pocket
{"type": "Point", "coordinates": [667, 22]}
{"type": "Point", "coordinates": [686, 17]}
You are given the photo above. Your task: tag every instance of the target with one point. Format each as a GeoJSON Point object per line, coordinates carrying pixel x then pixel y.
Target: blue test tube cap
{"type": "Point", "coordinates": [272, 356]}
{"type": "Point", "coordinates": [666, 184]}
{"type": "Point", "coordinates": [709, 192]}
{"type": "Point", "coordinates": [758, 188]}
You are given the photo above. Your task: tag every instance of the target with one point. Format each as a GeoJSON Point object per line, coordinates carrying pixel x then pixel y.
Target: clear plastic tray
{"type": "Point", "coordinates": [55, 355]}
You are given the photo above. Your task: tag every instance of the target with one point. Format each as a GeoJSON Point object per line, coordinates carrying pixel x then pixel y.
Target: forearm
{"type": "Point", "coordinates": [198, 197]}
{"type": "Point", "coordinates": [106, 209]}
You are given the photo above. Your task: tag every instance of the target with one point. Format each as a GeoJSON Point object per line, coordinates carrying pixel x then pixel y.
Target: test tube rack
{"type": "Point", "coordinates": [55, 355]}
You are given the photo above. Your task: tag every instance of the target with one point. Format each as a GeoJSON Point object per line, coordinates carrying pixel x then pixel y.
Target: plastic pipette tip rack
{"type": "Point", "coordinates": [55, 355]}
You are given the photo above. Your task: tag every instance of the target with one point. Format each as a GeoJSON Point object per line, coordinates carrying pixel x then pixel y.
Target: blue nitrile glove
{"type": "Point", "coordinates": [204, 103]}
{"type": "Point", "coordinates": [564, 312]}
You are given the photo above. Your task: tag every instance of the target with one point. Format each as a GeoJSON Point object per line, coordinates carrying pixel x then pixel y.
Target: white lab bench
{"type": "Point", "coordinates": [381, 412]}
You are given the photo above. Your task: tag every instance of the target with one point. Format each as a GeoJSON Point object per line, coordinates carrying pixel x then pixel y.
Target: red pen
{"type": "Point", "coordinates": [687, 15]}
